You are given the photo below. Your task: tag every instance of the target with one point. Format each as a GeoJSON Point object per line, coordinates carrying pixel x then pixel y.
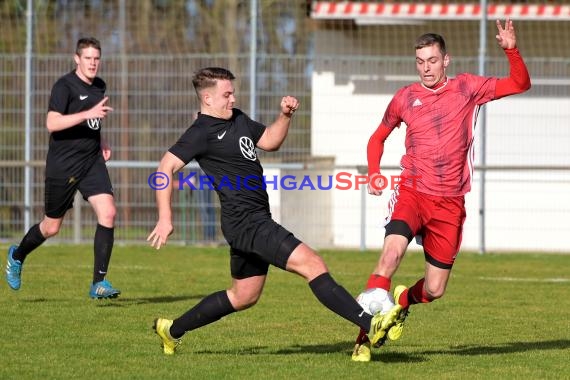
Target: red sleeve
{"type": "Point", "coordinates": [518, 80]}
{"type": "Point", "coordinates": [375, 148]}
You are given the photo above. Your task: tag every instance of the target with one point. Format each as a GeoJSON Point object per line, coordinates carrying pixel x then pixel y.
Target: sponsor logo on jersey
{"type": "Point", "coordinates": [94, 124]}
{"type": "Point", "coordinates": [417, 103]}
{"type": "Point", "coordinates": [247, 148]}
{"type": "Point", "coordinates": [221, 136]}
{"type": "Point", "coordinates": [83, 97]}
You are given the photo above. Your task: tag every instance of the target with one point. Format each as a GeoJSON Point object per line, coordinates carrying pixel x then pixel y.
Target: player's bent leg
{"type": "Point", "coordinates": [35, 236]}
{"type": "Point", "coordinates": [161, 327]}
{"type": "Point", "coordinates": [424, 290]}
{"type": "Point", "coordinates": [398, 237]}
{"type": "Point", "coordinates": [104, 207]}
{"type": "Point", "coordinates": [395, 245]}
{"type": "Point", "coordinates": [50, 227]}
{"type": "Point", "coordinates": [245, 292]}
{"type": "Point", "coordinates": [306, 262]}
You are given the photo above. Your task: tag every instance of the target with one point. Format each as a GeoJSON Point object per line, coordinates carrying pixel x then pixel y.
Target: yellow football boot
{"type": "Point", "coordinates": [381, 324]}
{"type": "Point", "coordinates": [361, 352]}
{"type": "Point", "coordinates": [395, 332]}
{"type": "Point", "coordinates": [162, 328]}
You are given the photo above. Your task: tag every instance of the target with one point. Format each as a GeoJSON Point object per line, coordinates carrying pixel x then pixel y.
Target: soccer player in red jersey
{"type": "Point", "coordinates": [440, 114]}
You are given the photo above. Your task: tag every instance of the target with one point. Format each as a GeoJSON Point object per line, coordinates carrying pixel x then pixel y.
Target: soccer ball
{"type": "Point", "coordinates": [375, 300]}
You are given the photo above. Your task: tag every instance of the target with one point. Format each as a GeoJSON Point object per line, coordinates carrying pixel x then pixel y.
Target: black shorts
{"type": "Point", "coordinates": [260, 242]}
{"type": "Point", "coordinates": [59, 192]}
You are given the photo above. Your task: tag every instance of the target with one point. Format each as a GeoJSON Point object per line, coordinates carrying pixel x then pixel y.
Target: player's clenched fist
{"type": "Point", "coordinates": [289, 105]}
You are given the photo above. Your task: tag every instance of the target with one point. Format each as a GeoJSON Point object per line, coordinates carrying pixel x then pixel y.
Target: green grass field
{"type": "Point", "coordinates": [504, 317]}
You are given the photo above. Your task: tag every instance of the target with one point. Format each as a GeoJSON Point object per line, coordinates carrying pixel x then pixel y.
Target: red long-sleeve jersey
{"type": "Point", "coordinates": [440, 127]}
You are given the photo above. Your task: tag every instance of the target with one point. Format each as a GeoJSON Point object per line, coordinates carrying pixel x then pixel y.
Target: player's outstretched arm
{"type": "Point", "coordinates": [275, 134]}
{"type": "Point", "coordinates": [167, 167]}
{"type": "Point", "coordinates": [518, 80]}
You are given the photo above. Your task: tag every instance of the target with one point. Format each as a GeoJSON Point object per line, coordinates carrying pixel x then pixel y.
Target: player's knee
{"type": "Point", "coordinates": [306, 263]}
{"type": "Point", "coordinates": [244, 301]}
{"type": "Point", "coordinates": [110, 213]}
{"type": "Point", "coordinates": [316, 262]}
{"type": "Point", "coordinates": [107, 217]}
{"type": "Point", "coordinates": [50, 229]}
{"type": "Point", "coordinates": [434, 292]}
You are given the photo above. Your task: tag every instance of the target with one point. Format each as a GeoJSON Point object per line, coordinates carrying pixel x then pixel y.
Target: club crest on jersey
{"type": "Point", "coordinates": [94, 124]}
{"type": "Point", "coordinates": [247, 148]}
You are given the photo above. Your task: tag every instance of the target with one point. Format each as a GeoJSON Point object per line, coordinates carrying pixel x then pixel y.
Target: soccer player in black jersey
{"type": "Point", "coordinates": [223, 141]}
{"type": "Point", "coordinates": [75, 161]}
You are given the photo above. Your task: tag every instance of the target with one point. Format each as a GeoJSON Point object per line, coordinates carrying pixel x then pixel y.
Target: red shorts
{"type": "Point", "coordinates": [437, 220]}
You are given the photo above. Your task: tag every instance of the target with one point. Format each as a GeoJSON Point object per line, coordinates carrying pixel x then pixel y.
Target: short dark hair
{"type": "Point", "coordinates": [208, 76]}
{"type": "Point", "coordinates": [430, 39]}
{"type": "Point", "coordinates": [86, 42]}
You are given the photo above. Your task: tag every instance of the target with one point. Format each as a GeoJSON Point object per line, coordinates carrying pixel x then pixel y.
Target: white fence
{"type": "Point", "coordinates": [528, 161]}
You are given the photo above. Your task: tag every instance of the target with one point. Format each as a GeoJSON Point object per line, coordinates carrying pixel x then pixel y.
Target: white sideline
{"type": "Point", "coordinates": [517, 279]}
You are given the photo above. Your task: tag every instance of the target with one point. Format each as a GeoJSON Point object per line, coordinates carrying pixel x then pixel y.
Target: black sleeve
{"type": "Point", "coordinates": [59, 99]}
{"type": "Point", "coordinates": [256, 129]}
{"type": "Point", "coordinates": [190, 145]}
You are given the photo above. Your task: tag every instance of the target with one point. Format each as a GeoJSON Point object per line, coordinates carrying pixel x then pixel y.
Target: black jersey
{"type": "Point", "coordinates": [73, 150]}
{"type": "Point", "coordinates": [225, 150]}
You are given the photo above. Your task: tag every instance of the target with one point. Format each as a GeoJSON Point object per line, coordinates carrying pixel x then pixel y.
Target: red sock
{"type": "Point", "coordinates": [403, 300]}
{"type": "Point", "coordinates": [418, 294]}
{"type": "Point", "coordinates": [362, 337]}
{"type": "Point", "coordinates": [377, 281]}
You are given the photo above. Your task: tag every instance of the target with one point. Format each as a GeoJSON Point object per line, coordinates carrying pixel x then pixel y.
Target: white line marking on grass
{"type": "Point", "coordinates": [90, 266]}
{"type": "Point", "coordinates": [515, 279]}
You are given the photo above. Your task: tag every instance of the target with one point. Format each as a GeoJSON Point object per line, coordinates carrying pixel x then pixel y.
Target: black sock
{"type": "Point", "coordinates": [337, 299]}
{"type": "Point", "coordinates": [103, 246]}
{"type": "Point", "coordinates": [210, 309]}
{"type": "Point", "coordinates": [32, 240]}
